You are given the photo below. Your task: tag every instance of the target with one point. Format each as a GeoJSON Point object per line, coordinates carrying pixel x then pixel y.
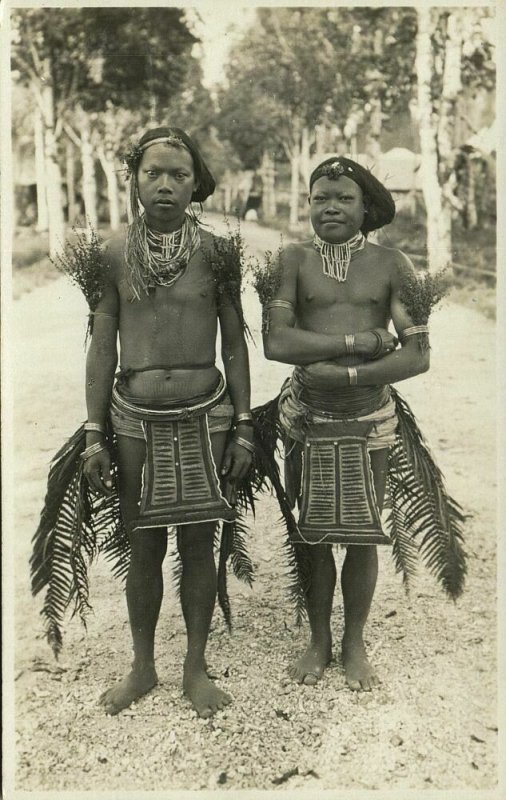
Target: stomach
{"type": "Point", "coordinates": [162, 386]}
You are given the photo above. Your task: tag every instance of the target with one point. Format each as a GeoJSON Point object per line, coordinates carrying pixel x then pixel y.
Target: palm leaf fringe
{"type": "Point", "coordinates": [74, 528]}
{"type": "Point", "coordinates": [423, 520]}
{"type": "Point", "coordinates": [266, 476]}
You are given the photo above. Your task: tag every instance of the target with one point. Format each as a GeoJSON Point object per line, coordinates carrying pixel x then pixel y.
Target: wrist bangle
{"type": "Point", "coordinates": [349, 342]}
{"type": "Point", "coordinates": [94, 426]}
{"type": "Point", "coordinates": [92, 450]}
{"type": "Point", "coordinates": [246, 416]}
{"type": "Point", "coordinates": [352, 376]}
{"type": "Point", "coordinates": [244, 443]}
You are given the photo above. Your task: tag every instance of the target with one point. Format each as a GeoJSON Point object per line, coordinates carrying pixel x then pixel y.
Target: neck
{"type": "Point", "coordinates": [356, 238]}
{"type": "Point", "coordinates": [165, 226]}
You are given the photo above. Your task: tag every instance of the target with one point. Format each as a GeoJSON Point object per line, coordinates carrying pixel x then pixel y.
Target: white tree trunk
{"type": "Point", "coordinates": [52, 170]}
{"type": "Point", "coordinates": [373, 128]}
{"type": "Point", "coordinates": [40, 171]}
{"type": "Point", "coordinates": [71, 182]}
{"type": "Point", "coordinates": [107, 161]}
{"type": "Point", "coordinates": [438, 241]}
{"type": "Point", "coordinates": [305, 159]}
{"type": "Point", "coordinates": [268, 172]}
{"type": "Point", "coordinates": [89, 184]}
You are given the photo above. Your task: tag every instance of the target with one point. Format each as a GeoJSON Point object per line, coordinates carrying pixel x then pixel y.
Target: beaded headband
{"type": "Point", "coordinates": [132, 157]}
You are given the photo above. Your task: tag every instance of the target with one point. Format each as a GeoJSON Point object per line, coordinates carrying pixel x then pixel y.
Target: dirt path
{"type": "Point", "coordinates": [431, 725]}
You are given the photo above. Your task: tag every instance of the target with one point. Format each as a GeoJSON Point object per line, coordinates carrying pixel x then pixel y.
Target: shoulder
{"type": "Point", "coordinates": [113, 250]}
{"type": "Point", "coordinates": [395, 262]}
{"type": "Point", "coordinates": [295, 253]}
{"type": "Point", "coordinates": [114, 247]}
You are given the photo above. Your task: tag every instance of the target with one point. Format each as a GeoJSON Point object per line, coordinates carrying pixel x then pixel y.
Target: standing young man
{"type": "Point", "coordinates": [337, 296]}
{"type": "Point", "coordinates": [169, 408]}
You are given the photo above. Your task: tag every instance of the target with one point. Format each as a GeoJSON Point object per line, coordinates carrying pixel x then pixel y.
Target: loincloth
{"type": "Point", "coordinates": [180, 483]}
{"type": "Point", "coordinates": [327, 465]}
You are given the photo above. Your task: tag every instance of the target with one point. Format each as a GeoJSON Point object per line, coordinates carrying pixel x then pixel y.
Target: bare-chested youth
{"type": "Point", "coordinates": [330, 318]}
{"type": "Point", "coordinates": [167, 324]}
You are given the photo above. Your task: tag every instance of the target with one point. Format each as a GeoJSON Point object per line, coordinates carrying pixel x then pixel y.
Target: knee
{"type": "Point", "coordinates": [362, 554]}
{"type": "Point", "coordinates": [147, 550]}
{"type": "Point", "coordinates": [195, 545]}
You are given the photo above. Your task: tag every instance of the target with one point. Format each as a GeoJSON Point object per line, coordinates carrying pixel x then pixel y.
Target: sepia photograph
{"type": "Point", "coordinates": [250, 400]}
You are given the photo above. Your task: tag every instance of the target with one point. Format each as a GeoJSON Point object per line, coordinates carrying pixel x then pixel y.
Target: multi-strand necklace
{"type": "Point", "coordinates": [159, 259]}
{"type": "Point", "coordinates": [336, 257]}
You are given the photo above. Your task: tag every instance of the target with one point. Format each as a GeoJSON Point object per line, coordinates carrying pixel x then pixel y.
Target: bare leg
{"type": "Point", "coordinates": [358, 582]}
{"type": "Point", "coordinates": [198, 595]}
{"type": "Point", "coordinates": [144, 587]}
{"type": "Point", "coordinates": [310, 666]}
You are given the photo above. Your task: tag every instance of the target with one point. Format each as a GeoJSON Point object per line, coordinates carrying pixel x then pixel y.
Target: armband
{"type": "Point", "coordinates": [413, 331]}
{"type": "Point", "coordinates": [281, 304]}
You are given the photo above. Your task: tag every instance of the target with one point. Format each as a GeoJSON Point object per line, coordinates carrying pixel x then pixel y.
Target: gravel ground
{"type": "Point", "coordinates": [431, 725]}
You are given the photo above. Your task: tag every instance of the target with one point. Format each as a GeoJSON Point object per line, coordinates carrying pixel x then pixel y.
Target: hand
{"type": "Point", "coordinates": [366, 343]}
{"type": "Point", "coordinates": [323, 375]}
{"type": "Point", "coordinates": [236, 463]}
{"type": "Point", "coordinates": [97, 469]}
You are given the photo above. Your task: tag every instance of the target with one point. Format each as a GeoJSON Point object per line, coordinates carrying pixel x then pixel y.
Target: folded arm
{"type": "Point", "coordinates": [406, 362]}
{"type": "Point", "coordinates": [285, 342]}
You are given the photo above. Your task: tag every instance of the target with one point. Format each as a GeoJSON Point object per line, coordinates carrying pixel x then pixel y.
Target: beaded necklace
{"type": "Point", "coordinates": [159, 259]}
{"type": "Point", "coordinates": [336, 257]}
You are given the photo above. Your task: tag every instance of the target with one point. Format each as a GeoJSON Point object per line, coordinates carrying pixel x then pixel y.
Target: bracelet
{"type": "Point", "coordinates": [94, 426]}
{"type": "Point", "coordinates": [92, 450]}
{"type": "Point", "coordinates": [244, 443]}
{"type": "Point", "coordinates": [247, 416]}
{"type": "Point", "coordinates": [413, 331]}
{"type": "Point", "coordinates": [349, 341]}
{"type": "Point", "coordinates": [379, 345]}
{"type": "Point", "coordinates": [352, 376]}
{"type": "Point", "coordinates": [247, 422]}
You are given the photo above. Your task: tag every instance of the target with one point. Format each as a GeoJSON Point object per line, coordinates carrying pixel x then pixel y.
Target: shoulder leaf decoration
{"type": "Point", "coordinates": [267, 280]}
{"type": "Point", "coordinates": [226, 258]}
{"type": "Point", "coordinates": [83, 262]}
{"type": "Point", "coordinates": [420, 293]}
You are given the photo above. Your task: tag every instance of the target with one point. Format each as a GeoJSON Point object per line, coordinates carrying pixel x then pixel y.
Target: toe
{"type": "Point", "coordinates": [354, 685]}
{"type": "Point", "coordinates": [310, 679]}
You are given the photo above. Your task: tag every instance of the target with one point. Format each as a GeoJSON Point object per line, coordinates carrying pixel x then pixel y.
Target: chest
{"type": "Point", "coordinates": [194, 291]}
{"type": "Point", "coordinates": [366, 285]}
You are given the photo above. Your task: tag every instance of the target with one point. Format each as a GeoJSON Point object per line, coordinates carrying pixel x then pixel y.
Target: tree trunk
{"type": "Point", "coordinates": [438, 241]}
{"type": "Point", "coordinates": [71, 182]}
{"type": "Point", "coordinates": [373, 128]}
{"type": "Point", "coordinates": [295, 158]}
{"type": "Point", "coordinates": [107, 161]}
{"type": "Point", "coordinates": [305, 159]}
{"type": "Point", "coordinates": [268, 172]}
{"type": "Point", "coordinates": [89, 184]}
{"type": "Point", "coordinates": [40, 172]}
{"type": "Point", "coordinates": [56, 221]}
{"type": "Point", "coordinates": [470, 202]}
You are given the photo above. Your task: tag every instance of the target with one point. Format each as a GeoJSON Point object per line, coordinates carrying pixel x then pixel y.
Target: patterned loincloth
{"type": "Point", "coordinates": [180, 483]}
{"type": "Point", "coordinates": [327, 466]}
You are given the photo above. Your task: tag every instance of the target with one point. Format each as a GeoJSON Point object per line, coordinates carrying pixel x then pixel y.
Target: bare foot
{"type": "Point", "coordinates": [360, 674]}
{"type": "Point", "coordinates": [310, 666]}
{"type": "Point", "coordinates": [205, 697]}
{"type": "Point", "coordinates": [123, 694]}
